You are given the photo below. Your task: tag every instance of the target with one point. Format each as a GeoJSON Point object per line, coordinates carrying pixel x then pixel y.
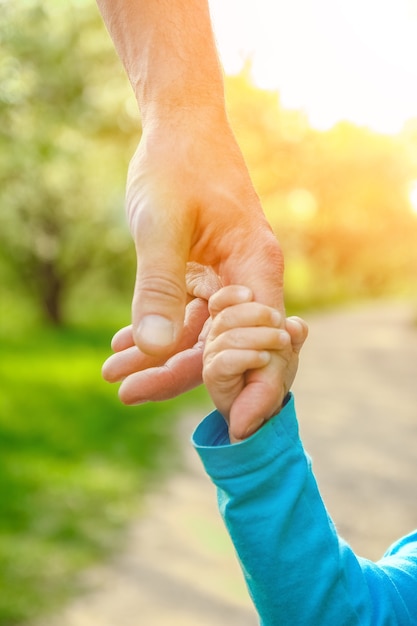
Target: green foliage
{"type": "Point", "coordinates": [74, 461]}
{"type": "Point", "coordinates": [73, 464]}
{"type": "Point", "coordinates": [65, 139]}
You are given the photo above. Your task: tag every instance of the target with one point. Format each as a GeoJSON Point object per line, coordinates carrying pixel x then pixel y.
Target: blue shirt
{"type": "Point", "coordinates": [298, 570]}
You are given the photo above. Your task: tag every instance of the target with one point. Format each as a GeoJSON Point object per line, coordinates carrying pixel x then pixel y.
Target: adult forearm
{"type": "Point", "coordinates": [168, 50]}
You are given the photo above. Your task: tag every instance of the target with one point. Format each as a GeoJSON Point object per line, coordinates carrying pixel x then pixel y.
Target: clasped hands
{"type": "Point", "coordinates": [198, 226]}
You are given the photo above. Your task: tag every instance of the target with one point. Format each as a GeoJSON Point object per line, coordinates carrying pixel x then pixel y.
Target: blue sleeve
{"type": "Point", "coordinates": [298, 570]}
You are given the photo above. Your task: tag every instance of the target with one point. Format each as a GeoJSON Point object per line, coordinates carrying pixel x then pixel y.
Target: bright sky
{"type": "Point", "coordinates": [334, 59]}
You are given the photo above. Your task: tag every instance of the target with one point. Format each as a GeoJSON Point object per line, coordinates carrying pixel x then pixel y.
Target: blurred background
{"type": "Point", "coordinates": [326, 115]}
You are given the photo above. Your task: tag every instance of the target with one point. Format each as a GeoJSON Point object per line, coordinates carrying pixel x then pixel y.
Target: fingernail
{"type": "Point", "coordinates": [254, 427]}
{"type": "Point", "coordinates": [156, 330]}
{"type": "Point", "coordinates": [276, 318]}
{"type": "Point", "coordinates": [285, 337]}
{"type": "Point", "coordinates": [265, 356]}
{"type": "Point", "coordinates": [243, 293]}
{"type": "Point", "coordinates": [295, 324]}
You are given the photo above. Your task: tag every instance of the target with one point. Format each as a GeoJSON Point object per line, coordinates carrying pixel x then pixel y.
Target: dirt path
{"type": "Point", "coordinates": [356, 396]}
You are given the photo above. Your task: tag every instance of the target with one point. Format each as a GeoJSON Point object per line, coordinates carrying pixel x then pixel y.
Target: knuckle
{"type": "Point", "coordinates": [227, 363]}
{"type": "Point", "coordinates": [161, 287]}
{"type": "Point", "coordinates": [225, 320]}
{"type": "Point", "coordinates": [142, 220]}
{"type": "Point", "coordinates": [238, 338]}
{"type": "Point", "coordinates": [278, 337]}
{"type": "Point", "coordinates": [207, 373]}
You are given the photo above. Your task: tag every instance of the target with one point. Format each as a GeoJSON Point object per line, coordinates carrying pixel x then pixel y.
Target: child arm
{"type": "Point", "coordinates": [298, 570]}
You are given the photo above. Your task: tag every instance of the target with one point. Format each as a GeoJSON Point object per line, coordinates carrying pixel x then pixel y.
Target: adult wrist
{"type": "Point", "coordinates": [159, 103]}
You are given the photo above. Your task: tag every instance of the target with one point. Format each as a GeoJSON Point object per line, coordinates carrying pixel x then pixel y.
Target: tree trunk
{"type": "Point", "coordinates": [51, 290]}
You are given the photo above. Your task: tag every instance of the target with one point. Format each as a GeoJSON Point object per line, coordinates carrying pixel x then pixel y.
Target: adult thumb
{"type": "Point", "coordinates": [162, 245]}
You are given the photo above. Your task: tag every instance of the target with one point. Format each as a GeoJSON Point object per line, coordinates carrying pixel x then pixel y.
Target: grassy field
{"type": "Point", "coordinates": [73, 462]}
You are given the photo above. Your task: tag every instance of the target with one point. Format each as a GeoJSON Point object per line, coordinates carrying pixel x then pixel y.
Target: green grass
{"type": "Point", "coordinates": [73, 462]}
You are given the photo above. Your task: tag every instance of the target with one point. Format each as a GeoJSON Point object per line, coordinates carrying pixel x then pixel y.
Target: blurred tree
{"type": "Point", "coordinates": [65, 137]}
{"type": "Point", "coordinates": [363, 232]}
{"type": "Point", "coordinates": [272, 138]}
{"type": "Point", "coordinates": [338, 200]}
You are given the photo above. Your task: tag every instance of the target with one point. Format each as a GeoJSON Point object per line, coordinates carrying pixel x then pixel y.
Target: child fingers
{"type": "Point", "coordinates": [248, 314]}
{"type": "Point", "coordinates": [251, 338]}
{"type": "Point", "coordinates": [228, 296]}
{"type": "Point", "coordinates": [298, 330]}
{"type": "Point", "coordinates": [229, 363]}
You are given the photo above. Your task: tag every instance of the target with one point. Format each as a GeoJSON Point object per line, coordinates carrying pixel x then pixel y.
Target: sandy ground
{"type": "Point", "coordinates": [356, 395]}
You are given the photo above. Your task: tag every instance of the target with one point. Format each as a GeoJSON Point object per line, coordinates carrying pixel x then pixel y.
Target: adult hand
{"type": "Point", "coordinates": [145, 377]}
{"type": "Point", "coordinates": [189, 195]}
{"type": "Point", "coordinates": [189, 199]}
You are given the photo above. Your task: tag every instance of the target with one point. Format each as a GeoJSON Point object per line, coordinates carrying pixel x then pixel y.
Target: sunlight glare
{"type": "Point", "coordinates": [334, 59]}
{"type": "Point", "coordinates": [413, 196]}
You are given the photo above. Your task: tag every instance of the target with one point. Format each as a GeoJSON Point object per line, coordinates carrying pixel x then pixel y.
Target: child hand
{"type": "Point", "coordinates": [250, 360]}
